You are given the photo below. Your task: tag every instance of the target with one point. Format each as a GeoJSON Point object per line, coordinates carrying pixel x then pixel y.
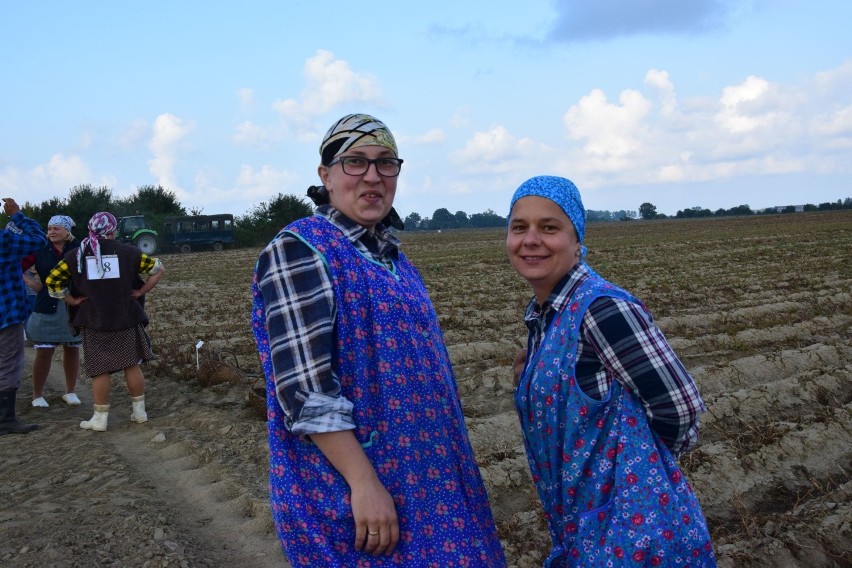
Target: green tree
{"type": "Point", "coordinates": [84, 201]}
{"type": "Point", "coordinates": [412, 222]}
{"type": "Point", "coordinates": [647, 211]}
{"type": "Point", "coordinates": [443, 219]}
{"type": "Point", "coordinates": [258, 226]}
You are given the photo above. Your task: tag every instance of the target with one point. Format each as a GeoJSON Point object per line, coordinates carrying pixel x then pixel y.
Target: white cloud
{"type": "Point", "coordinates": [609, 130]}
{"type": "Point", "coordinates": [134, 134]}
{"type": "Point", "coordinates": [497, 151]}
{"type": "Point", "coordinates": [264, 182]}
{"type": "Point", "coordinates": [330, 83]}
{"type": "Point", "coordinates": [169, 131]}
{"type": "Point", "coordinates": [246, 97]}
{"type": "Point", "coordinates": [251, 134]}
{"type": "Point", "coordinates": [434, 136]}
{"type": "Point", "coordinates": [744, 108]}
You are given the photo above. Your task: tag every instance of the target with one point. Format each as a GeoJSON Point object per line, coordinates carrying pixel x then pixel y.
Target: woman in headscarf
{"type": "Point", "coordinates": [104, 273]}
{"type": "Point", "coordinates": [370, 462]}
{"type": "Point", "coordinates": [604, 403]}
{"type": "Point", "coordinates": [47, 327]}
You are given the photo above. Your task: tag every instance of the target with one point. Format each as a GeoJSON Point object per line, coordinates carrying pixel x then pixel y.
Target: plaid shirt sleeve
{"type": "Point", "coordinates": [149, 265]}
{"type": "Point", "coordinates": [300, 310]}
{"type": "Point", "coordinates": [57, 280]}
{"type": "Point", "coordinates": [634, 351]}
{"type": "Point", "coordinates": [14, 307]}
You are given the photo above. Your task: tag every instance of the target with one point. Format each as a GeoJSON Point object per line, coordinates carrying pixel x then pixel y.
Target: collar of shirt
{"type": "Point", "coordinates": [381, 244]}
{"type": "Point", "coordinates": [537, 317]}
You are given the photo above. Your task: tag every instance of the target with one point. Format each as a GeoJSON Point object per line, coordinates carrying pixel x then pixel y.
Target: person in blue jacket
{"type": "Point", "coordinates": [14, 310]}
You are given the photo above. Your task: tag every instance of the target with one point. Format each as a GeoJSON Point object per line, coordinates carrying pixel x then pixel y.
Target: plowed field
{"type": "Point", "coordinates": [759, 309]}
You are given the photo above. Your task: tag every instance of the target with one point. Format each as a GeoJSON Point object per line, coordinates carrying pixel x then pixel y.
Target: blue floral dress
{"type": "Point", "coordinates": [612, 492]}
{"type": "Point", "coordinates": [394, 368]}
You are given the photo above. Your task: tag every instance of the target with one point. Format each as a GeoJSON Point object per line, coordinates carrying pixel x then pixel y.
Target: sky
{"type": "Point", "coordinates": [705, 103]}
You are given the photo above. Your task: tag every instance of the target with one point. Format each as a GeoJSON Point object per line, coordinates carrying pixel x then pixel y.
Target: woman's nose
{"type": "Point", "coordinates": [531, 237]}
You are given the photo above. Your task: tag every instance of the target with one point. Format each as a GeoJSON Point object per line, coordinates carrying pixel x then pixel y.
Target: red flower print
{"type": "Point", "coordinates": [639, 556]}
{"type": "Point", "coordinates": [579, 443]}
{"type": "Point", "coordinates": [584, 411]}
{"type": "Point", "coordinates": [676, 476]}
{"type": "Point", "coordinates": [637, 519]}
{"type": "Point", "coordinates": [631, 421]}
{"type": "Point", "coordinates": [686, 519]}
{"type": "Point", "coordinates": [664, 499]}
{"type": "Point", "coordinates": [656, 561]}
{"type": "Point", "coordinates": [618, 551]}
{"type": "Point", "coordinates": [632, 478]}
{"type": "Point", "coordinates": [571, 528]}
{"type": "Point", "coordinates": [668, 535]}
{"type": "Point", "coordinates": [654, 457]}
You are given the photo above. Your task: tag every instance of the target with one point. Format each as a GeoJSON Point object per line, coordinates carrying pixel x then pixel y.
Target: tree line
{"type": "Point", "coordinates": [265, 219]}
{"type": "Point", "coordinates": [649, 211]}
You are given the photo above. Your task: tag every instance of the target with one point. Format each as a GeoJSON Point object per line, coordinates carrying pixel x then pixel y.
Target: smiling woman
{"type": "Point", "coordinates": [605, 405]}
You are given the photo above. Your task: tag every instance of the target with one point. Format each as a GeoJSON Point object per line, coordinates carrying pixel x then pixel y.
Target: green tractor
{"type": "Point", "coordinates": [135, 230]}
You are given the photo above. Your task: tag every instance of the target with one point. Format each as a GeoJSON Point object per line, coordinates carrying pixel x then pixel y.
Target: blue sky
{"type": "Point", "coordinates": [710, 103]}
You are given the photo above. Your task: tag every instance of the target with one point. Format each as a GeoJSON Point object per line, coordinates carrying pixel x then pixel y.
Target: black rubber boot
{"type": "Point", "coordinates": [8, 423]}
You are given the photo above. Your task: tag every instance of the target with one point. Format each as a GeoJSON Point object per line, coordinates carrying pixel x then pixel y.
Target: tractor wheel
{"type": "Point", "coordinates": [217, 246]}
{"type": "Point", "coordinates": [146, 243]}
{"type": "Point", "coordinates": [185, 249]}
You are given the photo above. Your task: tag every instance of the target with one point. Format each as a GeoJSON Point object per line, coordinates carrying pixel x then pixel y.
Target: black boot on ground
{"type": "Point", "coordinates": [8, 423]}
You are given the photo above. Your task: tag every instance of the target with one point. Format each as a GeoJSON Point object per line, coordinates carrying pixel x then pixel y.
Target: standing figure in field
{"type": "Point", "coordinates": [104, 274]}
{"type": "Point", "coordinates": [604, 403]}
{"type": "Point", "coordinates": [48, 325]}
{"type": "Point", "coordinates": [370, 462]}
{"type": "Point", "coordinates": [14, 309]}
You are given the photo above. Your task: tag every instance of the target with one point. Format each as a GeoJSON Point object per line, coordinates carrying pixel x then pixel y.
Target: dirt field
{"type": "Point", "coordinates": [760, 310]}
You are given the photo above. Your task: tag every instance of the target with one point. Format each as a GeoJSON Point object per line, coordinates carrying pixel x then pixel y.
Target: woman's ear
{"type": "Point", "coordinates": [323, 173]}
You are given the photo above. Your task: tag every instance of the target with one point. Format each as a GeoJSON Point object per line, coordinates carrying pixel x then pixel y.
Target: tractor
{"type": "Point", "coordinates": [135, 230]}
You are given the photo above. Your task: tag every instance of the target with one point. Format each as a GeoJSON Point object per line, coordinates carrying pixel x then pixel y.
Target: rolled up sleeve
{"type": "Point", "coordinates": [299, 306]}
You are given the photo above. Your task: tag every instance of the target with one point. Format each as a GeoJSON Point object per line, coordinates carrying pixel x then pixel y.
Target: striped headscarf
{"type": "Point", "coordinates": [352, 131]}
{"type": "Point", "coordinates": [100, 225]}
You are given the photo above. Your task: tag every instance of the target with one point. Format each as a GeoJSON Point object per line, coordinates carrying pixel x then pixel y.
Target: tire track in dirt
{"type": "Point", "coordinates": [164, 493]}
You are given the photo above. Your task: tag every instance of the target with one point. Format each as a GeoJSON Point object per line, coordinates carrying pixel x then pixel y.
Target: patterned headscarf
{"type": "Point", "coordinates": [561, 191]}
{"type": "Point", "coordinates": [100, 225]}
{"type": "Point", "coordinates": [63, 221]}
{"type": "Point", "coordinates": [352, 131]}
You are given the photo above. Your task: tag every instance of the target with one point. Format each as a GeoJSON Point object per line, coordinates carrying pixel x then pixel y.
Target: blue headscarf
{"type": "Point", "coordinates": [561, 191]}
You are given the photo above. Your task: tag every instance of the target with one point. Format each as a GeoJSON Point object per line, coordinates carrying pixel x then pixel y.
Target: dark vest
{"type": "Point", "coordinates": [45, 260]}
{"type": "Point", "coordinates": [110, 305]}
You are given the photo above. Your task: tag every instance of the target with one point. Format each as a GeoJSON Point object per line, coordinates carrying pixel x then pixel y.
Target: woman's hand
{"type": "Point", "coordinates": [518, 365]}
{"type": "Point", "coordinates": [376, 521]}
{"type": "Point", "coordinates": [74, 301]}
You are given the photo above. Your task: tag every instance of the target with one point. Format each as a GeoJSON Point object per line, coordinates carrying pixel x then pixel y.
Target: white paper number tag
{"type": "Point", "coordinates": [110, 264]}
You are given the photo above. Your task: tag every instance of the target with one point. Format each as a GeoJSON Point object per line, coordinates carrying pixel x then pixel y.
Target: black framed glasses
{"type": "Point", "coordinates": [358, 166]}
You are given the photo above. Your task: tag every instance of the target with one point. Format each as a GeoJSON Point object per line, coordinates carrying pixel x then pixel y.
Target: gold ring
{"type": "Point", "coordinates": [372, 533]}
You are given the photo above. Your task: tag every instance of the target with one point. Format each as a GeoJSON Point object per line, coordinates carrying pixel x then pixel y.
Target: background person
{"type": "Point", "coordinates": [14, 309]}
{"type": "Point", "coordinates": [370, 462]}
{"type": "Point", "coordinates": [604, 403]}
{"type": "Point", "coordinates": [103, 272]}
{"type": "Point", "coordinates": [48, 326]}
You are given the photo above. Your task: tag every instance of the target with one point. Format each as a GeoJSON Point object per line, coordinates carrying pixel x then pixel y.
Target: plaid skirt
{"type": "Point", "coordinates": [107, 352]}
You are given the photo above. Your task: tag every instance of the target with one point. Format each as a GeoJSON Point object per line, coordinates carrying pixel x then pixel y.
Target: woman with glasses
{"type": "Point", "coordinates": [370, 462]}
